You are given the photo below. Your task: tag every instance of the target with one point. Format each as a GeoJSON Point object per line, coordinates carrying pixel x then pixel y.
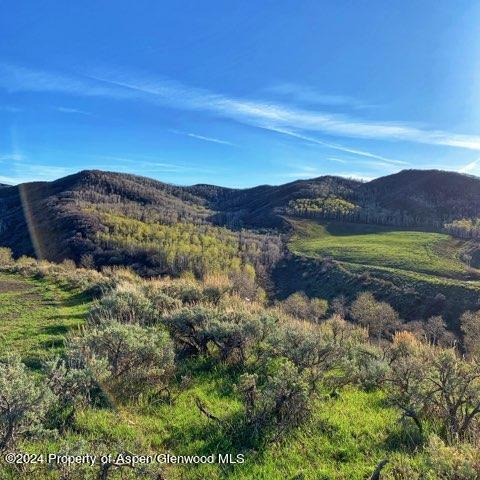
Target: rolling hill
{"type": "Point", "coordinates": [385, 235]}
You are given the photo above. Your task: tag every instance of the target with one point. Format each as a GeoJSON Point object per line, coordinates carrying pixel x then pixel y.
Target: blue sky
{"type": "Point", "coordinates": [238, 93]}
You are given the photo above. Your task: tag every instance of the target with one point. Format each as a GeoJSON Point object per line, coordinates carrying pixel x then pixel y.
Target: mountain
{"type": "Point", "coordinates": [430, 197]}
{"type": "Point", "coordinates": [101, 218]}
{"type": "Point", "coordinates": [63, 218]}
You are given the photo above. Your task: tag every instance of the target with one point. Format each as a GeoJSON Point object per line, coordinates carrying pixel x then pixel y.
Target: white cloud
{"type": "Point", "coordinates": [23, 173]}
{"type": "Point", "coordinates": [334, 146]}
{"type": "Point", "coordinates": [469, 167]}
{"type": "Point", "coordinates": [11, 157]}
{"type": "Point", "coordinates": [72, 110]}
{"type": "Point", "coordinates": [7, 108]}
{"type": "Point", "coordinates": [307, 94]}
{"type": "Point", "coordinates": [265, 114]}
{"type": "Point", "coordinates": [204, 138]}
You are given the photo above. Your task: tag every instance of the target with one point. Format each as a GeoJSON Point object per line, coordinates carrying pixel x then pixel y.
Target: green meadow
{"type": "Point", "coordinates": [418, 254]}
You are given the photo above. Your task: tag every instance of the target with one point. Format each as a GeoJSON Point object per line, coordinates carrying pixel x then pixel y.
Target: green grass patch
{"type": "Point", "coordinates": [35, 316]}
{"type": "Point", "coordinates": [408, 252]}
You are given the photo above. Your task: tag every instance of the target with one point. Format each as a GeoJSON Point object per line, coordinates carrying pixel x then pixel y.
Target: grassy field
{"type": "Point", "coordinates": [420, 254]}
{"type": "Point", "coordinates": [344, 439]}
{"type": "Point", "coordinates": [35, 315]}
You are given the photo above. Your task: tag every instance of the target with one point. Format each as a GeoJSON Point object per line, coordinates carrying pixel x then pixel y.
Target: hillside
{"type": "Point", "coordinates": [55, 218]}
{"type": "Point", "coordinates": [102, 218]}
{"type": "Point", "coordinates": [202, 412]}
{"type": "Point", "coordinates": [420, 273]}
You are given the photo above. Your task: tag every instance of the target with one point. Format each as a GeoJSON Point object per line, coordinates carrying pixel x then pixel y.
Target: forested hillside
{"type": "Point", "coordinates": [100, 218]}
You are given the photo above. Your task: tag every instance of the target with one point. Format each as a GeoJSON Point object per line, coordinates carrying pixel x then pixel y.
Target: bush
{"type": "Point", "coordinates": [459, 462]}
{"type": "Point", "coordinates": [72, 387]}
{"type": "Point", "coordinates": [23, 402]}
{"type": "Point", "coordinates": [308, 347]}
{"type": "Point", "coordinates": [428, 382]}
{"type": "Point", "coordinates": [188, 328]}
{"type": "Point", "coordinates": [236, 332]}
{"type": "Point", "coordinates": [281, 400]}
{"type": "Point", "coordinates": [127, 357]}
{"type": "Point", "coordinates": [125, 304]}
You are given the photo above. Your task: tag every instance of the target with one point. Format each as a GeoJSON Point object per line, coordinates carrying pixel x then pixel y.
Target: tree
{"type": "Point", "coordinates": [298, 305]}
{"type": "Point", "coordinates": [436, 331]}
{"type": "Point", "coordinates": [379, 317]}
{"type": "Point", "coordinates": [470, 326]}
{"type": "Point", "coordinates": [6, 257]}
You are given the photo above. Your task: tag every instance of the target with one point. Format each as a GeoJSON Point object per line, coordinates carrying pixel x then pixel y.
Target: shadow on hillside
{"type": "Point", "coordinates": [341, 229]}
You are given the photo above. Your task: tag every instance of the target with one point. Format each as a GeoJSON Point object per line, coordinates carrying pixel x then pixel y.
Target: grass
{"type": "Point", "coordinates": [418, 254]}
{"type": "Point", "coordinates": [35, 316]}
{"type": "Point", "coordinates": [344, 438]}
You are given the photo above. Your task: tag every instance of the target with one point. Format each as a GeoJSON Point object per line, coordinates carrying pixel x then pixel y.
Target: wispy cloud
{"type": "Point", "coordinates": [258, 113]}
{"type": "Point", "coordinates": [72, 110]}
{"type": "Point", "coordinates": [11, 157]}
{"type": "Point", "coordinates": [204, 138]}
{"type": "Point", "coordinates": [469, 167]}
{"type": "Point", "coordinates": [10, 109]}
{"type": "Point", "coordinates": [22, 172]}
{"type": "Point", "coordinates": [338, 160]}
{"type": "Point", "coordinates": [308, 171]}
{"type": "Point", "coordinates": [309, 95]}
{"type": "Point", "coordinates": [334, 146]}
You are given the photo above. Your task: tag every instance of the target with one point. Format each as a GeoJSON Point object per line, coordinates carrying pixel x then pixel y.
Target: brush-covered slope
{"type": "Point", "coordinates": [114, 218]}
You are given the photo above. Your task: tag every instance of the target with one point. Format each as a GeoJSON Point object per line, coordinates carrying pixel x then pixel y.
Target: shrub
{"type": "Point", "coordinates": [125, 304]}
{"type": "Point", "coordinates": [236, 332]}
{"type": "Point", "coordinates": [72, 387]}
{"type": "Point", "coordinates": [23, 402]}
{"type": "Point", "coordinates": [406, 378]}
{"type": "Point", "coordinates": [281, 400]}
{"type": "Point", "coordinates": [133, 357]}
{"type": "Point", "coordinates": [308, 347]}
{"type": "Point", "coordinates": [435, 383]}
{"type": "Point", "coordinates": [459, 462]}
{"type": "Point", "coordinates": [188, 328]}
{"type": "Point", "coordinates": [366, 367]}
